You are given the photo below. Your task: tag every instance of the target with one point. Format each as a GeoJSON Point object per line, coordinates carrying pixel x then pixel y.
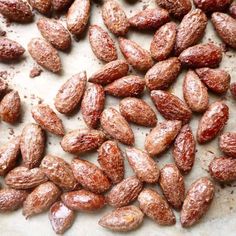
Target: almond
{"type": "Point", "coordinates": [197, 201]}
{"type": "Point", "coordinates": [82, 140]}
{"type": "Point", "coordinates": [212, 5]}
{"type": "Point", "coordinates": [111, 160]}
{"type": "Point", "coordinates": [102, 44]}
{"type": "Point", "coordinates": [163, 41]}
{"type": "Point", "coordinates": [115, 125]}
{"type": "Point", "coordinates": [159, 139]}
{"type": "Point", "coordinates": [136, 56]}
{"type": "Point", "coordinates": [125, 192]}
{"type": "Point", "coordinates": [93, 104]}
{"type": "Point", "coordinates": [70, 93]}
{"type": "Point", "coordinates": [59, 5]}
{"type": "Point", "coordinates": [156, 207]}
{"type": "Point", "coordinates": [232, 10]}
{"type": "Point", "coordinates": [163, 74]}
{"type": "Point", "coordinates": [138, 111]}
{"type": "Point", "coordinates": [78, 16]}
{"type": "Point", "coordinates": [122, 219]}
{"type": "Point", "coordinates": [212, 122]}
{"type": "Point", "coordinates": [48, 119]}
{"type": "Point", "coordinates": [233, 90]}
{"type": "Point", "coordinates": [227, 144]}
{"type": "Point", "coordinates": [42, 6]}
{"type": "Point", "coordinates": [90, 176]}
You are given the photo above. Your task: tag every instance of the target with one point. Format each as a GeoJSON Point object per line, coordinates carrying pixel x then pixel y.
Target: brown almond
{"type": "Point", "coordinates": [227, 144]}
{"type": "Point", "coordinates": [232, 10]}
{"type": "Point", "coordinates": [42, 6]}
{"type": "Point", "coordinates": [212, 5]}
{"type": "Point", "coordinates": [60, 5]}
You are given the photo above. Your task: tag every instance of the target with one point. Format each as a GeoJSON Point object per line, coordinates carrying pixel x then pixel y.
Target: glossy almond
{"type": "Point", "coordinates": [156, 207]}
{"type": "Point", "coordinates": [23, 178]}
{"type": "Point", "coordinates": [225, 26]}
{"type": "Point", "coordinates": [163, 74]}
{"type": "Point", "coordinates": [201, 55]}
{"type": "Point", "coordinates": [212, 122]}
{"type": "Point", "coordinates": [110, 72]}
{"type": "Point", "coordinates": [90, 176]}
{"type": "Point", "coordinates": [159, 139]}
{"type": "Point", "coordinates": [233, 90]}
{"type": "Point", "coordinates": [42, 6]}
{"type": "Point", "coordinates": [78, 16]}
{"type": "Point", "coordinates": [232, 10]}
{"type": "Point", "coordinates": [59, 5]}
{"type": "Point", "coordinates": [227, 143]}
{"type": "Point", "coordinates": [10, 107]}
{"type": "Point", "coordinates": [136, 56]}
{"type": "Point", "coordinates": [125, 192]}
{"type": "Point", "coordinates": [212, 5]}
{"type": "Point", "coordinates": [82, 140]}
{"type": "Point", "coordinates": [115, 125]}
{"type": "Point", "coordinates": [44, 54]}
{"type": "Point", "coordinates": [40, 199]}
{"type": "Point", "coordinates": [163, 41]}
{"type": "Point", "coordinates": [190, 30]}
{"type": "Point", "coordinates": [114, 17]}
{"type": "Point", "coordinates": [195, 92]}
{"type": "Point", "coordinates": [102, 44]}
{"type": "Point", "coordinates": [70, 93]}
{"type": "Point", "coordinates": [92, 104]}
{"type": "Point", "coordinates": [111, 160]}
{"type": "Point", "coordinates": [170, 106]}
{"type": "Point", "coordinates": [145, 168]}
{"type": "Point", "coordinates": [217, 80]}
{"type": "Point", "coordinates": [122, 219]}
{"type": "Point", "coordinates": [184, 149]}
{"type": "Point", "coordinates": [197, 201]}
{"type": "Point", "coordinates": [128, 86]}
{"type": "Point", "coordinates": [48, 119]}
{"type": "Point", "coordinates": [83, 200]}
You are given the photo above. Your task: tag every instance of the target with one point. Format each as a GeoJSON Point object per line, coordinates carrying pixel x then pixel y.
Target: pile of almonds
{"type": "Point", "coordinates": [47, 182]}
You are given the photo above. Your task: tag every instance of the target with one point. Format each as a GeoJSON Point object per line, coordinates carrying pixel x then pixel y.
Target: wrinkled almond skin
{"type": "Point", "coordinates": [92, 104]}
{"type": "Point", "coordinates": [170, 106]}
{"type": "Point", "coordinates": [125, 192]}
{"type": "Point", "coordinates": [40, 199]}
{"type": "Point", "coordinates": [233, 90]}
{"type": "Point", "coordinates": [83, 200]}
{"type": "Point", "coordinates": [23, 178]}
{"type": "Point", "coordinates": [212, 122]}
{"type": "Point", "coordinates": [8, 155]}
{"type": "Point", "coordinates": [232, 10]}
{"type": "Point", "coordinates": [136, 56]}
{"type": "Point", "coordinates": [59, 5]}
{"type": "Point", "coordinates": [197, 201]}
{"type": "Point", "coordinates": [78, 16]}
{"type": "Point", "coordinates": [145, 168]}
{"type": "Point", "coordinates": [227, 144]}
{"type": "Point", "coordinates": [16, 10]}
{"type": "Point", "coordinates": [32, 145]}
{"type": "Point", "coordinates": [159, 139]}
{"type": "Point", "coordinates": [114, 17]}
{"type": "Point", "coordinates": [217, 80]}
{"type": "Point", "coordinates": [61, 217]}
{"type": "Point", "coordinates": [70, 93]}
{"type": "Point", "coordinates": [172, 185]}
{"type": "Point", "coordinates": [149, 19]}
{"type": "Point", "coordinates": [10, 107]}
{"type": "Point", "coordinates": [128, 86]}
{"type": "Point", "coordinates": [163, 74]}
{"type": "Point", "coordinates": [48, 119]}
{"type": "Point", "coordinates": [10, 50]}
{"type": "Point", "coordinates": [122, 219]}
{"type": "Point", "coordinates": [212, 5]}
{"type": "Point", "coordinates": [90, 176]}
{"type": "Point", "coordinates": [111, 160]}
{"type": "Point", "coordinates": [225, 26]}
{"type": "Point", "coordinates": [42, 6]}
{"type": "Point", "coordinates": [184, 149]}
{"type": "Point", "coordinates": [82, 140]}
{"type": "Point", "coordinates": [59, 172]}
{"type": "Point", "coordinates": [110, 72]}
{"type": "Point", "coordinates": [102, 44]}
{"type": "Point", "coordinates": [44, 54]}
{"type": "Point", "coordinates": [156, 207]}
{"type": "Point", "coordinates": [190, 30]}
{"type": "Point", "coordinates": [163, 41]}
{"type": "Point", "coordinates": [201, 55]}
{"type": "Point", "coordinates": [195, 92]}
{"type": "Point", "coordinates": [223, 169]}
{"type": "Point", "coordinates": [138, 111]}
{"type": "Point", "coordinates": [115, 125]}
{"type": "Point", "coordinates": [11, 199]}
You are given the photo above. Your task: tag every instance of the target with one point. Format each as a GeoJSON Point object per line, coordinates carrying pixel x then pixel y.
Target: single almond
{"type": "Point", "coordinates": [227, 144]}
{"type": "Point", "coordinates": [42, 6]}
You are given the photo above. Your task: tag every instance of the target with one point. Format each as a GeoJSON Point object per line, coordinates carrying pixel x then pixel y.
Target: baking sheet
{"type": "Point", "coordinates": [220, 219]}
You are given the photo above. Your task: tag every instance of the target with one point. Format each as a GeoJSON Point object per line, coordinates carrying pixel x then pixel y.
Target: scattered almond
{"type": "Point", "coordinates": [227, 144]}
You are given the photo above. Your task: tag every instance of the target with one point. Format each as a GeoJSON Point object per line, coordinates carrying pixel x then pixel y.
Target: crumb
{"type": "Point", "coordinates": [2, 32]}
{"type": "Point", "coordinates": [11, 131]}
{"type": "Point", "coordinates": [232, 192]}
{"type": "Point", "coordinates": [36, 71]}
{"type": "Point", "coordinates": [3, 74]}
{"type": "Point", "coordinates": [224, 47]}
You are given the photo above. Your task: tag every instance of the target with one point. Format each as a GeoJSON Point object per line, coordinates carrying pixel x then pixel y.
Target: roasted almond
{"type": "Point", "coordinates": [42, 6]}
{"type": "Point", "coordinates": [232, 10]}
{"type": "Point", "coordinates": [233, 90]}
{"type": "Point", "coordinates": [212, 5]}
{"type": "Point", "coordinates": [59, 5]}
{"type": "Point", "coordinates": [227, 144]}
